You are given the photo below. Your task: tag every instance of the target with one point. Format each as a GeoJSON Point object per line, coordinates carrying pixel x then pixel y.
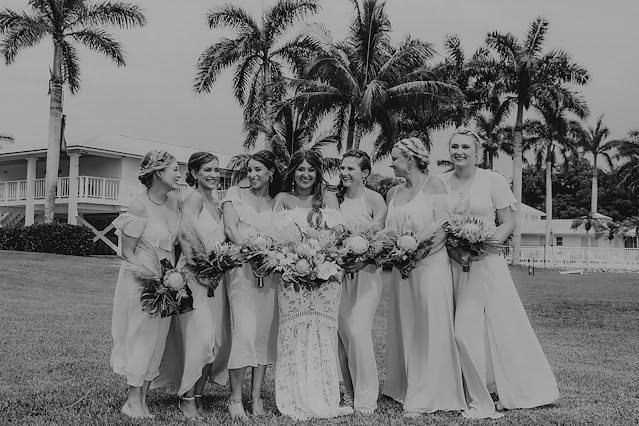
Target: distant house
{"type": "Point", "coordinates": [97, 179]}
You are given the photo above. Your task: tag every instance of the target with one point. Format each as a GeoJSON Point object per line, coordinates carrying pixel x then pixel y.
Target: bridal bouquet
{"type": "Point", "coordinates": [209, 261]}
{"type": "Point", "coordinates": [358, 244]}
{"type": "Point", "coordinates": [405, 249]}
{"type": "Point", "coordinates": [469, 239]}
{"type": "Point", "coordinates": [261, 253]}
{"type": "Point", "coordinates": [309, 258]}
{"type": "Point", "coordinates": [163, 288]}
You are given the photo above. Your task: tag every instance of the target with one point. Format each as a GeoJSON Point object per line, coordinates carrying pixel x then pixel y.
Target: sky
{"type": "Point", "coordinates": [152, 96]}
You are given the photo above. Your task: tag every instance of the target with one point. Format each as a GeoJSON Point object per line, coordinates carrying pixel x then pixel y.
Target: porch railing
{"type": "Point", "coordinates": [89, 187]}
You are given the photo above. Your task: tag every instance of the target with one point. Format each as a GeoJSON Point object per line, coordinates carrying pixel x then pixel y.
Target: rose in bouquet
{"type": "Point", "coordinates": [309, 258]}
{"type": "Point", "coordinates": [260, 252]}
{"type": "Point", "coordinates": [405, 249]}
{"type": "Point", "coordinates": [358, 244]}
{"type": "Point", "coordinates": [209, 261]}
{"type": "Point", "coordinates": [469, 239]}
{"type": "Point", "coordinates": [163, 288]}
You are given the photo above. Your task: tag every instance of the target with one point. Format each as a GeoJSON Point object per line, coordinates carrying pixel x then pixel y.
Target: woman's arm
{"type": "Point", "coordinates": [129, 244]}
{"type": "Point", "coordinates": [191, 209]}
{"type": "Point", "coordinates": [330, 200]}
{"type": "Point", "coordinates": [378, 207]}
{"type": "Point", "coordinates": [506, 219]}
{"type": "Point", "coordinates": [231, 221]}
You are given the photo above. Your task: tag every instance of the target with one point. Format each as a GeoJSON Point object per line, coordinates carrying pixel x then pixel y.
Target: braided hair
{"type": "Point", "coordinates": [415, 148]}
{"type": "Point", "coordinates": [364, 164]}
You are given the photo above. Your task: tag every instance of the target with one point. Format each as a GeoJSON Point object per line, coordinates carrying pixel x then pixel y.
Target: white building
{"type": "Point", "coordinates": [98, 178]}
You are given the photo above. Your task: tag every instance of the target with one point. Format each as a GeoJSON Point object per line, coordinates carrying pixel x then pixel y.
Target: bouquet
{"type": "Point", "coordinates": [163, 288]}
{"type": "Point", "coordinates": [358, 244]}
{"type": "Point", "coordinates": [210, 261]}
{"type": "Point", "coordinates": [309, 258]}
{"type": "Point", "coordinates": [405, 249]}
{"type": "Point", "coordinates": [260, 252]}
{"type": "Point", "coordinates": [469, 239]}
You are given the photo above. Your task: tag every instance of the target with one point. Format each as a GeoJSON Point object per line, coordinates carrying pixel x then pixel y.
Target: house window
{"type": "Point", "coordinates": [594, 242]}
{"type": "Point", "coordinates": [542, 240]}
{"type": "Point", "coordinates": [559, 241]}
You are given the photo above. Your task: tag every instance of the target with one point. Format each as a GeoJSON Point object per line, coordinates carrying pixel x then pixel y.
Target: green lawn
{"type": "Point", "coordinates": [55, 344]}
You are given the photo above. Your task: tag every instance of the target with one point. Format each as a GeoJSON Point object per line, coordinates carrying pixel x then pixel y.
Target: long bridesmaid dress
{"type": "Point", "coordinates": [139, 339]}
{"type": "Point", "coordinates": [422, 364]}
{"type": "Point", "coordinates": [253, 309]}
{"type": "Point", "coordinates": [498, 348]}
{"type": "Point", "coordinates": [360, 299]}
{"type": "Point", "coordinates": [201, 336]}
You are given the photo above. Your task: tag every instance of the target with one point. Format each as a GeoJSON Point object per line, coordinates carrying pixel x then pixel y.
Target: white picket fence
{"type": "Point", "coordinates": [626, 259]}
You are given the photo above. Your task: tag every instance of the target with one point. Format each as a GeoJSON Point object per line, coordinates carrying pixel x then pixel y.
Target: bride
{"type": "Point", "coordinates": [306, 377]}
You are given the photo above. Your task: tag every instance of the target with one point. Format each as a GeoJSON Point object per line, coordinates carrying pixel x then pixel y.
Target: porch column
{"type": "Point", "coordinates": [74, 169]}
{"type": "Point", "coordinates": [29, 208]}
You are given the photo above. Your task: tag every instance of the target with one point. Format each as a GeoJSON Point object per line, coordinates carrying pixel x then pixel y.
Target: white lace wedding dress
{"type": "Point", "coordinates": [306, 376]}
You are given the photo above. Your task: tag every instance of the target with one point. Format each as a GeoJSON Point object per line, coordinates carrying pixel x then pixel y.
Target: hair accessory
{"type": "Point", "coordinates": [158, 160]}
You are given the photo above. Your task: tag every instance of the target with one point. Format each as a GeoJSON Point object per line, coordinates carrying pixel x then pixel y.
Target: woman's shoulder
{"type": "Point", "coordinates": [137, 207]}
{"type": "Point", "coordinates": [194, 201]}
{"type": "Point", "coordinates": [373, 198]}
{"type": "Point", "coordinates": [330, 200]}
{"type": "Point", "coordinates": [434, 185]}
{"type": "Point", "coordinates": [392, 192]}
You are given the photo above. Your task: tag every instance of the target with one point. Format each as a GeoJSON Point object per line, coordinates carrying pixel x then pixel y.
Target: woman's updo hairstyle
{"type": "Point", "coordinates": [196, 161]}
{"type": "Point", "coordinates": [364, 164]}
{"type": "Point", "coordinates": [153, 162]}
{"type": "Point", "coordinates": [415, 148]}
{"type": "Point", "coordinates": [269, 160]}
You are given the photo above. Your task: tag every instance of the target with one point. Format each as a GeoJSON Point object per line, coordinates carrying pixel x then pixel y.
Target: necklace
{"type": "Point", "coordinates": [157, 204]}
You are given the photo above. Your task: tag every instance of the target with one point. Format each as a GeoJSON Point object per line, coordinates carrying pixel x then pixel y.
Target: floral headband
{"type": "Point", "coordinates": [158, 160]}
{"type": "Point", "coordinates": [412, 145]}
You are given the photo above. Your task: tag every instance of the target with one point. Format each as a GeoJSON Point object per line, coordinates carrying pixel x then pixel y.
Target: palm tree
{"type": "Point", "coordinates": [553, 137]}
{"type": "Point", "coordinates": [260, 59]}
{"type": "Point", "coordinates": [628, 151]}
{"type": "Point", "coordinates": [589, 220]}
{"type": "Point", "coordinates": [527, 75]}
{"type": "Point", "coordinates": [496, 137]}
{"type": "Point", "coordinates": [366, 81]}
{"type": "Point", "coordinates": [593, 142]}
{"type": "Point", "coordinates": [612, 230]}
{"type": "Point", "coordinates": [5, 138]}
{"type": "Point", "coordinates": [66, 22]}
{"type": "Point", "coordinates": [631, 224]}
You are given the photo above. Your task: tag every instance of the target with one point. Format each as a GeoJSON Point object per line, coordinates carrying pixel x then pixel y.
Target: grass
{"type": "Point", "coordinates": [55, 344]}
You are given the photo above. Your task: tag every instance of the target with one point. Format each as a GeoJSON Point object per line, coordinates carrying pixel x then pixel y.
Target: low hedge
{"type": "Point", "coordinates": [59, 238]}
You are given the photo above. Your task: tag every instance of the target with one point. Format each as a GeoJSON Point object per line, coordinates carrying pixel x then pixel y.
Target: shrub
{"type": "Point", "coordinates": [381, 183]}
{"type": "Point", "coordinates": [59, 238]}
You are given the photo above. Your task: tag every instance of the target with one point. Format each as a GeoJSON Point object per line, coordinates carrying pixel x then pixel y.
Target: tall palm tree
{"type": "Point", "coordinates": [259, 55]}
{"type": "Point", "coordinates": [589, 221]}
{"type": "Point", "coordinates": [67, 23]}
{"type": "Point", "coordinates": [628, 152]}
{"type": "Point", "coordinates": [368, 82]}
{"type": "Point", "coordinates": [496, 137]}
{"type": "Point", "coordinates": [593, 142]}
{"type": "Point", "coordinates": [554, 136]}
{"type": "Point", "coordinates": [528, 75]}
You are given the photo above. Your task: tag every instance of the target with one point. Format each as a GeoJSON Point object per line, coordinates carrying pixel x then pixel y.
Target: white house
{"type": "Point", "coordinates": [98, 178]}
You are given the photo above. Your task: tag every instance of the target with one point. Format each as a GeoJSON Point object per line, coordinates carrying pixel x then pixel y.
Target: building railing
{"type": "Point", "coordinates": [578, 257]}
{"type": "Point", "coordinates": [89, 187]}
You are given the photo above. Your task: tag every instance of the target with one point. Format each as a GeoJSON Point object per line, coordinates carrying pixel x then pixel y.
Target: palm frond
{"type": "Point", "coordinates": [231, 16]}
{"type": "Point", "coordinates": [19, 34]}
{"type": "Point", "coordinates": [70, 66]}
{"type": "Point", "coordinates": [100, 41]}
{"type": "Point", "coordinates": [238, 165]}
{"type": "Point", "coordinates": [284, 14]}
{"type": "Point", "coordinates": [212, 61]}
{"type": "Point", "coordinates": [115, 14]}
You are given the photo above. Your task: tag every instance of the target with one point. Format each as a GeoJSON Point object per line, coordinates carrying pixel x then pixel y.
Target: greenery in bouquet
{"type": "Point", "coordinates": [309, 258]}
{"type": "Point", "coordinates": [469, 239]}
{"type": "Point", "coordinates": [209, 260]}
{"type": "Point", "coordinates": [163, 288]}
{"type": "Point", "coordinates": [260, 252]}
{"type": "Point", "coordinates": [358, 244]}
{"type": "Point", "coordinates": [405, 249]}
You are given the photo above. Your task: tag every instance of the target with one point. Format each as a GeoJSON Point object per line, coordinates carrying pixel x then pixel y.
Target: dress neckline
{"type": "Point", "coordinates": [421, 191]}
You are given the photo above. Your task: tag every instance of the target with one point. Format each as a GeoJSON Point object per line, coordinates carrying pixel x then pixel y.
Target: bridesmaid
{"type": "Point", "coordinates": [198, 344]}
{"type": "Point", "coordinates": [498, 348]}
{"type": "Point", "coordinates": [360, 295]}
{"type": "Point", "coordinates": [422, 363]}
{"type": "Point", "coordinates": [253, 309]}
{"type": "Point", "coordinates": [139, 338]}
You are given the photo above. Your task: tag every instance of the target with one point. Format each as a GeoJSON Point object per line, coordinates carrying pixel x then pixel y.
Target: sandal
{"type": "Point", "coordinates": [200, 408]}
{"type": "Point", "coordinates": [257, 407]}
{"type": "Point", "coordinates": [236, 410]}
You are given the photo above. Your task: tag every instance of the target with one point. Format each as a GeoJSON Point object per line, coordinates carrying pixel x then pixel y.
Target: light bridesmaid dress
{"type": "Point", "coordinates": [201, 336]}
{"type": "Point", "coordinates": [360, 299]}
{"type": "Point", "coordinates": [498, 348]}
{"type": "Point", "coordinates": [253, 309]}
{"type": "Point", "coordinates": [138, 338]}
{"type": "Point", "coordinates": [422, 364]}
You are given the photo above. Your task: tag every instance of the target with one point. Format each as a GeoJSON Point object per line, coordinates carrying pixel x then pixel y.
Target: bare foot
{"type": "Point", "coordinates": [135, 411]}
{"type": "Point", "coordinates": [188, 408]}
{"type": "Point", "coordinates": [199, 405]}
{"type": "Point", "coordinates": [147, 412]}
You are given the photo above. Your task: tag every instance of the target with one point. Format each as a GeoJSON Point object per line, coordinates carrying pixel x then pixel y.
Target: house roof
{"type": "Point", "coordinates": [128, 146]}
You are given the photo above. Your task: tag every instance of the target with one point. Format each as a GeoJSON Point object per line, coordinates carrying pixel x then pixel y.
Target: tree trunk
{"type": "Point", "coordinates": [266, 96]}
{"type": "Point", "coordinates": [548, 199]}
{"type": "Point", "coordinates": [357, 137]}
{"type": "Point", "coordinates": [55, 134]}
{"type": "Point", "coordinates": [351, 129]}
{"type": "Point", "coordinates": [595, 189]}
{"type": "Point", "coordinates": [517, 182]}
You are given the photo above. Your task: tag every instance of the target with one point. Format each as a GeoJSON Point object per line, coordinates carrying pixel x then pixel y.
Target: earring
{"type": "Point", "coordinates": [270, 179]}
{"type": "Point", "coordinates": [410, 163]}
